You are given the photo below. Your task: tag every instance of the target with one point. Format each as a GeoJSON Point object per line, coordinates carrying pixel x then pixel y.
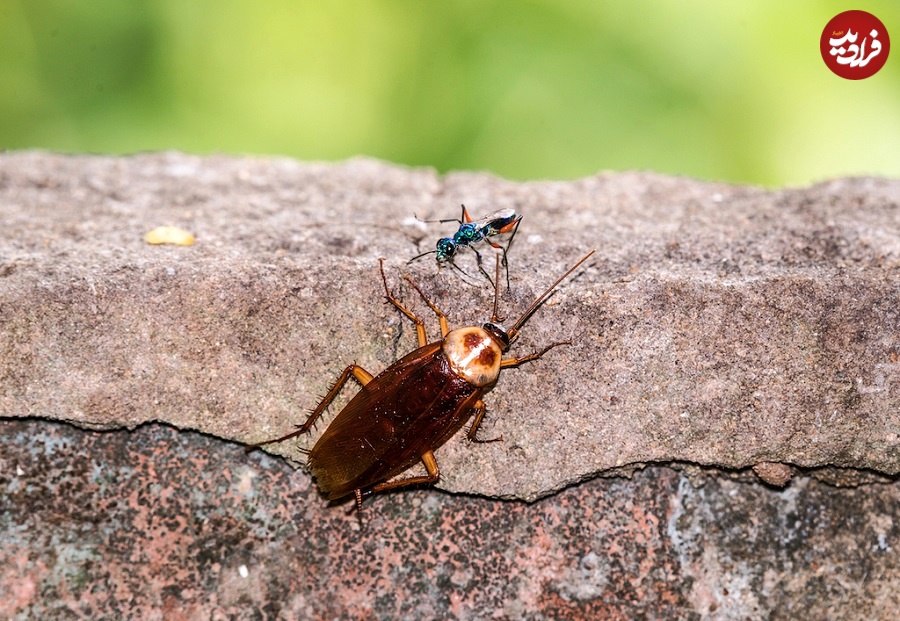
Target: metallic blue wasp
{"type": "Point", "coordinates": [472, 232]}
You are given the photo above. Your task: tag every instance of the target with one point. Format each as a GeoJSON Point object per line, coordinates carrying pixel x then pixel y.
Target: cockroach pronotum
{"type": "Point", "coordinates": [471, 232]}
{"type": "Point", "coordinates": [411, 408]}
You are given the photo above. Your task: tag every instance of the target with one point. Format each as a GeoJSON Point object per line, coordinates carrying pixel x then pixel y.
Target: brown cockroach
{"type": "Point", "coordinates": [411, 408]}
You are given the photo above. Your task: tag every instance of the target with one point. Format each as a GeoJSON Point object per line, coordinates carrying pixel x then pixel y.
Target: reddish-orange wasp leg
{"type": "Point", "coordinates": [465, 214]}
{"type": "Point", "coordinates": [362, 376]}
{"type": "Point", "coordinates": [512, 226]}
{"type": "Point", "coordinates": [506, 229]}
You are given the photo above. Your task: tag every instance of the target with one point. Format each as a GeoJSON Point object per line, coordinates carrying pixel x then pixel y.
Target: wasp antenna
{"type": "Point", "coordinates": [541, 298]}
{"type": "Point", "coordinates": [437, 221]}
{"type": "Point", "coordinates": [419, 256]}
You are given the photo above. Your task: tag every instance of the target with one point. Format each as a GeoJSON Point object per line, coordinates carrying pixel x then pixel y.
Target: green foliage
{"type": "Point", "coordinates": [527, 89]}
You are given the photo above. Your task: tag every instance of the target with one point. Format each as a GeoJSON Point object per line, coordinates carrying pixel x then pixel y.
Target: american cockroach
{"type": "Point", "coordinates": [411, 408]}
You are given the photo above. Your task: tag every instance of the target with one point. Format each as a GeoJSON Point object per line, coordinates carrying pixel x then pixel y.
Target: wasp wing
{"type": "Point", "coordinates": [497, 221]}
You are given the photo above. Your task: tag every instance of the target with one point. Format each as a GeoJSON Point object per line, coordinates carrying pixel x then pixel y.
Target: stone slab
{"type": "Point", "coordinates": [719, 325]}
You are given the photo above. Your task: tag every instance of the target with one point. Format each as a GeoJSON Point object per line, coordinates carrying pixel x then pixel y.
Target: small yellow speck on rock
{"type": "Point", "coordinates": [169, 235]}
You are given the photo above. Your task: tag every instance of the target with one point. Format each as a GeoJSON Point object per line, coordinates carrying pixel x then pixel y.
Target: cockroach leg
{"type": "Point", "coordinates": [361, 375]}
{"type": "Point", "coordinates": [420, 325]}
{"type": "Point", "coordinates": [434, 474]}
{"type": "Point", "coordinates": [359, 497]}
{"type": "Point", "coordinates": [480, 409]}
{"type": "Point", "coordinates": [514, 362]}
{"type": "Point", "coordinates": [442, 318]}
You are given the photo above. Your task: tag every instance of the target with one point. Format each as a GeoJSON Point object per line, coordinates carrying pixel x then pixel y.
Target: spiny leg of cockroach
{"type": "Point", "coordinates": [362, 376]}
{"type": "Point", "coordinates": [480, 409]}
{"type": "Point", "coordinates": [420, 325]}
{"type": "Point", "coordinates": [442, 318]}
{"type": "Point", "coordinates": [433, 476]}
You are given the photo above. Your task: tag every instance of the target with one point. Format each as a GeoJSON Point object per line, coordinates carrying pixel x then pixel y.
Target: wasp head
{"type": "Point", "coordinates": [445, 249]}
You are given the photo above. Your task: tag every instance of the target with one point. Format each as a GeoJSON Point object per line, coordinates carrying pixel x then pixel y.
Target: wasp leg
{"type": "Point", "coordinates": [465, 214]}
{"type": "Point", "coordinates": [480, 409]}
{"type": "Point", "coordinates": [481, 267]}
{"type": "Point", "coordinates": [514, 362]}
{"type": "Point", "coordinates": [502, 250]}
{"type": "Point", "coordinates": [420, 325]}
{"type": "Point", "coordinates": [514, 227]}
{"type": "Point", "coordinates": [362, 376]}
{"type": "Point", "coordinates": [466, 274]}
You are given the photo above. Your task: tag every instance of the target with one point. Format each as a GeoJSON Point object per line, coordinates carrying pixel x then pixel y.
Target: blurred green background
{"type": "Point", "coordinates": [733, 91]}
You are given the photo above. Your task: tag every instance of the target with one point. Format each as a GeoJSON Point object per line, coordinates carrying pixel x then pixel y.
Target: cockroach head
{"type": "Point", "coordinates": [498, 333]}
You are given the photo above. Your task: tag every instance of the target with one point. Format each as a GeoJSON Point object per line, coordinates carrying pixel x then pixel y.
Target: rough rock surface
{"type": "Point", "coordinates": [161, 524]}
{"type": "Point", "coordinates": [718, 325]}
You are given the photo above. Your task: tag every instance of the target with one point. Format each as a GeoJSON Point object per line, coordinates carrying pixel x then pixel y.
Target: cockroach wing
{"type": "Point", "coordinates": [412, 407]}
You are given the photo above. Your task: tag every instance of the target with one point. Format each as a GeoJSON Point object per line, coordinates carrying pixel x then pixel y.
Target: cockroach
{"type": "Point", "coordinates": [402, 415]}
{"type": "Point", "coordinates": [471, 232]}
